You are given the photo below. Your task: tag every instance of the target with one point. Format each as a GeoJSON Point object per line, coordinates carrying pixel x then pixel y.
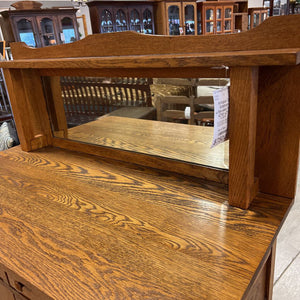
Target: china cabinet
{"type": "Point", "coordinates": [256, 16]}
{"type": "Point", "coordinates": [215, 17]}
{"type": "Point", "coordinates": [40, 27]}
{"type": "Point", "coordinates": [117, 16]}
{"type": "Point", "coordinates": [176, 17]}
{"type": "Point", "coordinates": [240, 12]}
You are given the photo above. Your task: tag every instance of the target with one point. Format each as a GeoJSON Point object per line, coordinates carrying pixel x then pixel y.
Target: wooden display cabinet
{"type": "Point", "coordinates": [117, 16]}
{"type": "Point", "coordinates": [40, 27]}
{"type": "Point", "coordinates": [215, 17]}
{"type": "Point", "coordinates": [240, 12]}
{"type": "Point", "coordinates": [176, 17]}
{"type": "Point", "coordinates": [257, 16]}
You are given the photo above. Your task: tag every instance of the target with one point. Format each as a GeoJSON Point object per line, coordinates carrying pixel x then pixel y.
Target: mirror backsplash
{"type": "Point", "coordinates": [166, 117]}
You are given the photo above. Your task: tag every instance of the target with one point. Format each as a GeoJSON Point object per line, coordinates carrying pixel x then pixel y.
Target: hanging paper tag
{"type": "Point", "coordinates": [187, 113]}
{"type": "Point", "coordinates": [221, 114]}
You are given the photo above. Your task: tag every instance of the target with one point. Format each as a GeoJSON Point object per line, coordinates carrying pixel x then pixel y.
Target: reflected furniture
{"type": "Point", "coordinates": [40, 27]}
{"type": "Point", "coordinates": [87, 98]}
{"type": "Point", "coordinates": [87, 221]}
{"type": "Point", "coordinates": [5, 109]}
{"type": "Point", "coordinates": [117, 16]}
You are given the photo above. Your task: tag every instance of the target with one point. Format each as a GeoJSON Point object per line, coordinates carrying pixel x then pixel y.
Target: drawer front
{"type": "Point", "coordinates": [5, 293]}
{"type": "Point", "coordinates": [25, 288]}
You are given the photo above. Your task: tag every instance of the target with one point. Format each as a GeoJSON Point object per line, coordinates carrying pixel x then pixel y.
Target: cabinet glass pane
{"type": "Point", "coordinates": [68, 30]}
{"type": "Point", "coordinates": [209, 14]}
{"type": "Point", "coordinates": [263, 17]}
{"type": "Point", "coordinates": [219, 28]}
{"type": "Point", "coordinates": [227, 25]}
{"type": "Point", "coordinates": [255, 20]}
{"type": "Point", "coordinates": [199, 26]}
{"type": "Point", "coordinates": [106, 22]}
{"type": "Point", "coordinates": [227, 13]}
{"type": "Point", "coordinates": [219, 13]}
{"type": "Point", "coordinates": [147, 21]}
{"type": "Point", "coordinates": [121, 23]}
{"type": "Point", "coordinates": [26, 32]}
{"type": "Point", "coordinates": [189, 20]}
{"type": "Point", "coordinates": [174, 21]}
{"type": "Point", "coordinates": [47, 28]}
{"type": "Point", "coordinates": [209, 27]}
{"type": "Point", "coordinates": [135, 22]}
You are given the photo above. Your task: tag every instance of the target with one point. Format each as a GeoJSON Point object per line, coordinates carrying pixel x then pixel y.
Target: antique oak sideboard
{"type": "Point", "coordinates": [85, 221]}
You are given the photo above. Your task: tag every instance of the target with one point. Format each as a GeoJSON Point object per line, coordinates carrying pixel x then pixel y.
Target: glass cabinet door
{"type": "Point", "coordinates": [255, 20]}
{"type": "Point", "coordinates": [25, 32]}
{"type": "Point", "coordinates": [174, 20]}
{"type": "Point", "coordinates": [47, 32]}
{"type": "Point", "coordinates": [199, 21]}
{"type": "Point", "coordinates": [227, 19]}
{"type": "Point", "coordinates": [106, 24]}
{"type": "Point", "coordinates": [68, 31]}
{"type": "Point", "coordinates": [189, 19]}
{"type": "Point", "coordinates": [147, 21]}
{"type": "Point", "coordinates": [135, 21]}
{"type": "Point", "coordinates": [219, 21]}
{"type": "Point", "coordinates": [121, 22]}
{"type": "Point", "coordinates": [209, 20]}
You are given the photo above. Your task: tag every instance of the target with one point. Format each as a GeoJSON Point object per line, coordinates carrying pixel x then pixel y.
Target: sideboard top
{"type": "Point", "coordinates": [89, 228]}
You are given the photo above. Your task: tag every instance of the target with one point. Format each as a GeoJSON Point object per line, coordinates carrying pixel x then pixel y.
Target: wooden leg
{"type": "Point", "coordinates": [242, 135]}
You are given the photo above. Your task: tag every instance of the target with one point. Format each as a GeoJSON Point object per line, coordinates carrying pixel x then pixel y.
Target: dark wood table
{"type": "Point", "coordinates": [75, 226]}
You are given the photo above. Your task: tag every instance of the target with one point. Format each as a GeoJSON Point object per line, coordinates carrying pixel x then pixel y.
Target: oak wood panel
{"type": "Point", "coordinates": [5, 293]}
{"type": "Point", "coordinates": [142, 72]}
{"type": "Point", "coordinates": [270, 268]}
{"type": "Point", "coordinates": [174, 141]}
{"type": "Point", "coordinates": [19, 105]}
{"type": "Point", "coordinates": [278, 130]}
{"type": "Point", "coordinates": [260, 38]}
{"type": "Point", "coordinates": [87, 228]}
{"type": "Point", "coordinates": [55, 105]}
{"type": "Point", "coordinates": [20, 286]}
{"type": "Point", "coordinates": [161, 163]}
{"type": "Point", "coordinates": [242, 134]}
{"type": "Point", "coordinates": [31, 117]}
{"type": "Point", "coordinates": [284, 56]}
{"type": "Point", "coordinates": [262, 286]}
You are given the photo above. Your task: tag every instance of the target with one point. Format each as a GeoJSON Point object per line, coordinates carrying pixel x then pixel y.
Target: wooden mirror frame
{"type": "Point", "coordinates": [264, 102]}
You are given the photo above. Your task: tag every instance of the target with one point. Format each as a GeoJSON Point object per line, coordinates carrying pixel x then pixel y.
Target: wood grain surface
{"type": "Point", "coordinates": [153, 61]}
{"type": "Point", "coordinates": [174, 141]}
{"type": "Point", "coordinates": [80, 227]}
{"type": "Point", "coordinates": [278, 130]}
{"type": "Point", "coordinates": [259, 38]}
{"type": "Point", "coordinates": [242, 134]}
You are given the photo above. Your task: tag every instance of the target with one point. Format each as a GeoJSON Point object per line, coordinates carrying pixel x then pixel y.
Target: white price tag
{"type": "Point", "coordinates": [187, 113]}
{"type": "Point", "coordinates": [221, 114]}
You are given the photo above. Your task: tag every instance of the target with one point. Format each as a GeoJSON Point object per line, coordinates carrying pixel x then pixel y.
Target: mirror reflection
{"type": "Point", "coordinates": [167, 117]}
